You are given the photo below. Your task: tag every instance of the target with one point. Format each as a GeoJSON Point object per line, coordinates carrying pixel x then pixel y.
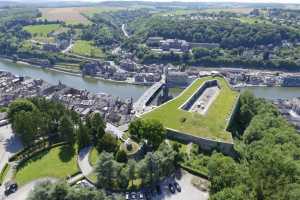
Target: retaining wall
{"type": "Point", "coordinates": [204, 143]}
{"type": "Point", "coordinates": [190, 102]}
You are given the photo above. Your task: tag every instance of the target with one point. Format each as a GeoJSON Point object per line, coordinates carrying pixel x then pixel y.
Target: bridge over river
{"type": "Point", "coordinates": [140, 105]}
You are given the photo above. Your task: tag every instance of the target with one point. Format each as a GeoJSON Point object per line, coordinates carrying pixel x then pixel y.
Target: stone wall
{"type": "Point", "coordinates": [190, 102]}
{"type": "Point", "coordinates": [204, 143]}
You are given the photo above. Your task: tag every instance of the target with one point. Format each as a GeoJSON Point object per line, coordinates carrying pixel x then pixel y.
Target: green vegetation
{"type": "Point", "coordinates": [41, 30]}
{"type": "Point", "coordinates": [268, 163]}
{"type": "Point", "coordinates": [58, 162]}
{"type": "Point", "coordinates": [152, 168]}
{"type": "Point", "coordinates": [213, 125]}
{"type": "Point", "coordinates": [93, 157]}
{"type": "Point", "coordinates": [3, 109]}
{"type": "Point", "coordinates": [51, 191]}
{"type": "Point", "coordinates": [150, 130]}
{"type": "Point", "coordinates": [37, 118]}
{"type": "Point", "coordinates": [86, 48]}
{"type": "Point", "coordinates": [4, 172]}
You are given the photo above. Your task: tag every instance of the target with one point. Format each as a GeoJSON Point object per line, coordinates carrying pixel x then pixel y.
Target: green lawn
{"type": "Point", "coordinates": [212, 125]}
{"type": "Point", "coordinates": [58, 162]}
{"type": "Point", "coordinates": [93, 157]}
{"type": "Point", "coordinates": [86, 48]}
{"type": "Point", "coordinates": [41, 30]}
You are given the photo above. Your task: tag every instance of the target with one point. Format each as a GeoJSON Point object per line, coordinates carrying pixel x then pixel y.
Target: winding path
{"type": "Point", "coordinates": [83, 161]}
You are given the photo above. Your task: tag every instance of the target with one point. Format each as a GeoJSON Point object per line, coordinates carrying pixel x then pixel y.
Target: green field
{"type": "Point", "coordinates": [41, 30]}
{"type": "Point", "coordinates": [212, 125]}
{"type": "Point", "coordinates": [86, 48]}
{"type": "Point", "coordinates": [58, 162]}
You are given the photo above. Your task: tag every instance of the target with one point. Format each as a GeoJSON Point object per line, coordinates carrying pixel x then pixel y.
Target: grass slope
{"type": "Point", "coordinates": [41, 30]}
{"type": "Point", "coordinates": [86, 48]}
{"type": "Point", "coordinates": [58, 162]}
{"type": "Point", "coordinates": [212, 125]}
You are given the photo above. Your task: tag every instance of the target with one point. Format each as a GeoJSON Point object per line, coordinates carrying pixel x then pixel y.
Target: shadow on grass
{"type": "Point", "coordinates": [32, 159]}
{"type": "Point", "coordinates": [67, 152]}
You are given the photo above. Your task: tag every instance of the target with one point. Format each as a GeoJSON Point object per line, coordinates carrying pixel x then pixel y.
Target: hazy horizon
{"type": "Point", "coordinates": [199, 1]}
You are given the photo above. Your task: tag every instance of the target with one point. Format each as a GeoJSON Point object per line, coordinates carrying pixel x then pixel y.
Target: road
{"type": "Point", "coordinates": [124, 30]}
{"type": "Point", "coordinates": [25, 190]}
{"type": "Point", "coordinates": [9, 144]}
{"type": "Point", "coordinates": [83, 161]}
{"type": "Point", "coordinates": [68, 48]}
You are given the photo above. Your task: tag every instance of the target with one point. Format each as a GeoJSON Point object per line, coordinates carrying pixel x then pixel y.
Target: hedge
{"type": "Point", "coordinates": [194, 171]}
{"type": "Point", "coordinates": [26, 158]}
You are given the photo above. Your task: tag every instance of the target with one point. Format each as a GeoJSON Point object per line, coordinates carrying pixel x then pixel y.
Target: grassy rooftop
{"type": "Point", "coordinates": [212, 125]}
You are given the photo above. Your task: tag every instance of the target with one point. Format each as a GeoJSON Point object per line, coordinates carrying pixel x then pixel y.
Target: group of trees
{"type": "Point", "coordinates": [151, 131]}
{"type": "Point", "coordinates": [152, 168]}
{"type": "Point", "coordinates": [268, 163]}
{"type": "Point", "coordinates": [11, 32]}
{"type": "Point", "coordinates": [229, 33]}
{"type": "Point", "coordinates": [37, 118]}
{"type": "Point", "coordinates": [59, 191]}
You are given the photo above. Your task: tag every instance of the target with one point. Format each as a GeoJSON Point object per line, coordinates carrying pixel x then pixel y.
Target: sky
{"type": "Point", "coordinates": [240, 1]}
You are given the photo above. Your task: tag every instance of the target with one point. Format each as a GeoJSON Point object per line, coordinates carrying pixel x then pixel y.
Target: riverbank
{"type": "Point", "coordinates": [79, 74]}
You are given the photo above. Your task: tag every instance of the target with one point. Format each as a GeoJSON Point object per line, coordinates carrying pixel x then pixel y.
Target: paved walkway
{"type": "Point", "coordinates": [25, 190]}
{"type": "Point", "coordinates": [110, 128]}
{"type": "Point", "coordinates": [83, 161]}
{"type": "Point", "coordinates": [9, 144]}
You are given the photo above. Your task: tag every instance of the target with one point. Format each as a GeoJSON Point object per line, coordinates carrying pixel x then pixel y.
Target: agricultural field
{"type": "Point", "coordinates": [58, 162]}
{"type": "Point", "coordinates": [73, 15]}
{"type": "Point", "coordinates": [87, 49]}
{"type": "Point", "coordinates": [212, 125]}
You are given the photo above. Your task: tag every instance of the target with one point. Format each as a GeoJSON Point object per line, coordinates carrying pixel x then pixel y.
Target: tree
{"type": "Point", "coordinates": [150, 130]}
{"type": "Point", "coordinates": [222, 172]}
{"type": "Point", "coordinates": [121, 156]}
{"type": "Point", "coordinates": [25, 127]}
{"type": "Point", "coordinates": [131, 170]}
{"type": "Point", "coordinates": [104, 170]}
{"type": "Point", "coordinates": [136, 129]}
{"type": "Point", "coordinates": [109, 143]}
{"type": "Point", "coordinates": [83, 139]}
{"type": "Point", "coordinates": [20, 105]}
{"type": "Point", "coordinates": [97, 127]}
{"type": "Point", "coordinates": [66, 129]}
{"type": "Point", "coordinates": [154, 133]}
{"type": "Point", "coordinates": [123, 179]}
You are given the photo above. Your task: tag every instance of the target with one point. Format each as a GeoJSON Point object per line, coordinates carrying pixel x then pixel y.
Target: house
{"type": "Point", "coordinates": [127, 65]}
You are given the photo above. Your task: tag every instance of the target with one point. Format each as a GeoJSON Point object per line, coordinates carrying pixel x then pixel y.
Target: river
{"type": "Point", "coordinates": [122, 90]}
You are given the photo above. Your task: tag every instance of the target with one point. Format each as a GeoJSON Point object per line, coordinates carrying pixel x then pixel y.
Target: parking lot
{"type": "Point", "coordinates": [188, 191]}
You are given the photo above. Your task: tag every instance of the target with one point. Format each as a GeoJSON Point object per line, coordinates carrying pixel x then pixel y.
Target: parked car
{"type": "Point", "coordinates": [127, 196]}
{"type": "Point", "coordinates": [171, 188]}
{"type": "Point", "coordinates": [133, 195]}
{"type": "Point", "coordinates": [177, 186]}
{"type": "Point", "coordinates": [140, 195]}
{"type": "Point", "coordinates": [10, 187]}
